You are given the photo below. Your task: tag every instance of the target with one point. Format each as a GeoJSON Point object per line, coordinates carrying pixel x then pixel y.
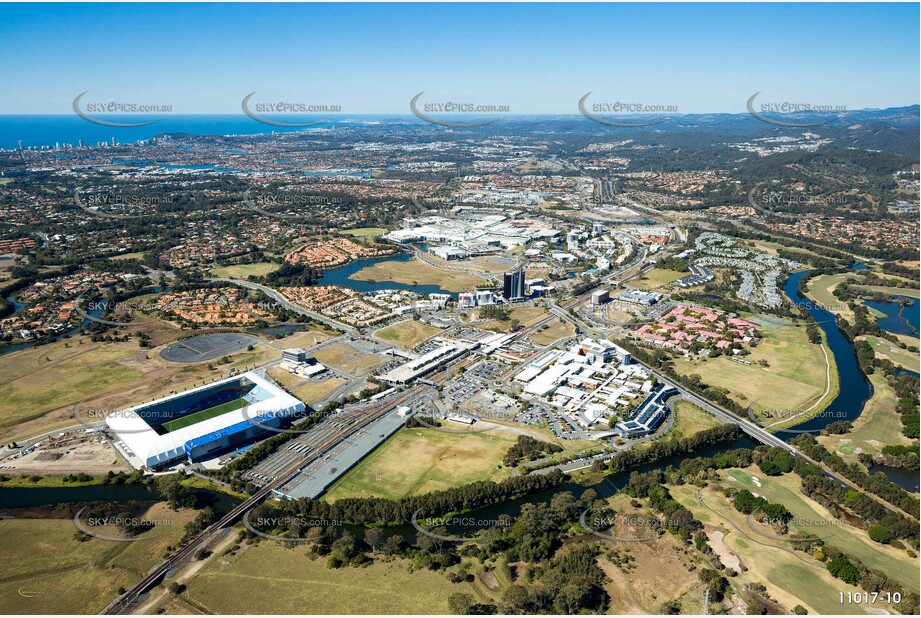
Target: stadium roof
{"type": "Point", "coordinates": [155, 450]}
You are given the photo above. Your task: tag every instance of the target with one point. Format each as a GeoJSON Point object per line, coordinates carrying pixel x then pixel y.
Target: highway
{"type": "Point", "coordinates": [760, 434]}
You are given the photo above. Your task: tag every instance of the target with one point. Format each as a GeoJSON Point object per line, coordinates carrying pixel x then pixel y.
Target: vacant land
{"type": "Point", "coordinates": [417, 272]}
{"type": "Point", "coordinates": [415, 461]}
{"type": "Point", "coordinates": [283, 377]}
{"type": "Point", "coordinates": [878, 425]}
{"type": "Point", "coordinates": [480, 264]}
{"type": "Point", "coordinates": [886, 349]}
{"type": "Point", "coordinates": [794, 379]}
{"type": "Point", "coordinates": [203, 415]}
{"type": "Point", "coordinates": [244, 271]}
{"type": "Point", "coordinates": [129, 256]}
{"type": "Point", "coordinates": [348, 359]}
{"type": "Point", "coordinates": [492, 263]}
{"type": "Point", "coordinates": [365, 232]}
{"type": "Point", "coordinates": [690, 419]}
{"type": "Point", "coordinates": [39, 387]}
{"type": "Point", "coordinates": [664, 569]}
{"type": "Point", "coordinates": [37, 381]}
{"type": "Point", "coordinates": [525, 314]}
{"type": "Point", "coordinates": [555, 330]}
{"type": "Point", "coordinates": [306, 338]}
{"type": "Point", "coordinates": [407, 334]}
{"type": "Point", "coordinates": [278, 580]}
{"type": "Point", "coordinates": [61, 575]}
{"type": "Point", "coordinates": [312, 393]}
{"type": "Point", "coordinates": [656, 278]}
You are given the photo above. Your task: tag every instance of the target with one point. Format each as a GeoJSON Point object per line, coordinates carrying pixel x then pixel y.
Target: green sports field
{"type": "Point", "coordinates": [204, 415]}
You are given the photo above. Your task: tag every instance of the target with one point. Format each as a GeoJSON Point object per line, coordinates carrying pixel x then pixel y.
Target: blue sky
{"type": "Point", "coordinates": [535, 58]}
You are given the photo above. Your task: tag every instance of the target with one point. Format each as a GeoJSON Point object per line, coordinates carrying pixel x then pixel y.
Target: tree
{"type": "Point", "coordinates": [843, 569]}
{"type": "Point", "coordinates": [515, 599]}
{"type": "Point", "coordinates": [375, 538]}
{"type": "Point", "coordinates": [176, 588]}
{"type": "Point", "coordinates": [393, 545]}
{"type": "Point", "coordinates": [880, 534]}
{"type": "Point", "coordinates": [460, 603]}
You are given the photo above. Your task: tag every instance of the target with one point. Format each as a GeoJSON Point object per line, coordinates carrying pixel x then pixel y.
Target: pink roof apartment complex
{"type": "Point", "coordinates": [685, 324]}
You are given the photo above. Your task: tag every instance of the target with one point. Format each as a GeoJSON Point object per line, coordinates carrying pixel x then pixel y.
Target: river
{"type": "Point", "coordinates": [32, 497]}
{"type": "Point", "coordinates": [854, 387]}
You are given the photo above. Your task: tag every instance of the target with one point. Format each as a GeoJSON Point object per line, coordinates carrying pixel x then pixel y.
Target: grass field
{"type": "Point", "coordinates": [129, 256]}
{"type": "Point", "coordinates": [821, 289]}
{"type": "Point", "coordinates": [416, 272]}
{"type": "Point", "coordinates": [278, 580]}
{"type": "Point", "coordinates": [786, 490]}
{"type": "Point", "coordinates": [794, 379]}
{"type": "Point", "coordinates": [556, 329]}
{"type": "Point", "coordinates": [787, 579]}
{"type": "Point", "coordinates": [886, 349]}
{"type": "Point", "coordinates": [656, 278]}
{"type": "Point", "coordinates": [415, 461]}
{"type": "Point", "coordinates": [306, 338]}
{"type": "Point", "coordinates": [690, 419]}
{"type": "Point", "coordinates": [365, 232]}
{"type": "Point", "coordinates": [65, 576]}
{"type": "Point", "coordinates": [406, 334]}
{"type": "Point", "coordinates": [203, 415]}
{"type": "Point", "coordinates": [243, 271]}
{"type": "Point", "coordinates": [910, 292]}
{"type": "Point", "coordinates": [314, 392]}
{"type": "Point", "coordinates": [349, 359]}
{"type": "Point", "coordinates": [877, 426]}
{"type": "Point", "coordinates": [525, 314]}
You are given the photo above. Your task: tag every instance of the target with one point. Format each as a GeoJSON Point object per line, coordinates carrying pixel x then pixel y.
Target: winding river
{"type": "Point", "coordinates": [854, 387]}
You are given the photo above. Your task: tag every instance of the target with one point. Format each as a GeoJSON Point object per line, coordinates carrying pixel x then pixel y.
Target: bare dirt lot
{"type": "Point", "coordinates": [92, 454]}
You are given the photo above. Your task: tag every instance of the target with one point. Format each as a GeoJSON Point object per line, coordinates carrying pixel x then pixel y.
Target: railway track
{"type": "Point", "coordinates": [123, 604]}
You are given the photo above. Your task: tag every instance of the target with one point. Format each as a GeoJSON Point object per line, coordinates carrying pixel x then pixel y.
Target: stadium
{"type": "Point", "coordinates": [203, 423]}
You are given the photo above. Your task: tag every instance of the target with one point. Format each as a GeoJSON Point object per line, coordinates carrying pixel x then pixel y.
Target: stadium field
{"type": "Point", "coordinates": [204, 415]}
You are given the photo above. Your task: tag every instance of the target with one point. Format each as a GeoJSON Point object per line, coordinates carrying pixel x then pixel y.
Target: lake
{"type": "Point", "coordinates": [340, 276]}
{"type": "Point", "coordinates": [900, 319]}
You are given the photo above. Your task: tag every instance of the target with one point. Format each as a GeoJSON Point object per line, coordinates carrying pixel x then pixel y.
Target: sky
{"type": "Point", "coordinates": [533, 58]}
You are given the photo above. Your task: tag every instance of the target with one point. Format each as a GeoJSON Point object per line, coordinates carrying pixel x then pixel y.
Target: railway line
{"type": "Point", "coordinates": [123, 604]}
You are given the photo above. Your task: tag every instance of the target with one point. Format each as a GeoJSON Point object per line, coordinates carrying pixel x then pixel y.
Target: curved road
{"type": "Point", "coordinates": [287, 304]}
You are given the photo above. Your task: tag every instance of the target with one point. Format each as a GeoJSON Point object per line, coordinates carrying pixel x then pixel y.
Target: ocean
{"type": "Point", "coordinates": [45, 130]}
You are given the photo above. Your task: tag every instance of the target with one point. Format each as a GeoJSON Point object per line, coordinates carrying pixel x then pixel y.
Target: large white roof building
{"type": "Point", "coordinates": [145, 429]}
